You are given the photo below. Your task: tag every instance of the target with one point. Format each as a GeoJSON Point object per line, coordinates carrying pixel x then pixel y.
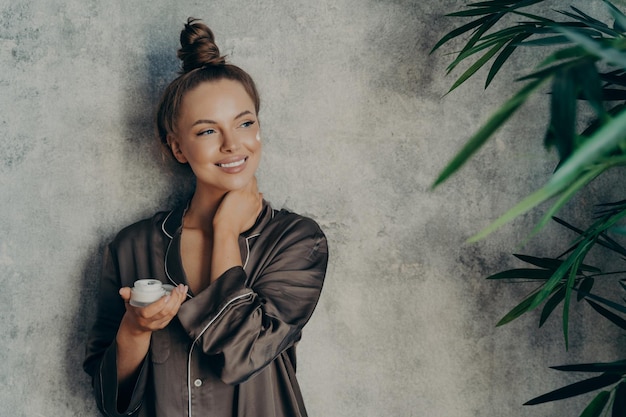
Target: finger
{"type": "Point", "coordinates": [178, 297]}
{"type": "Point", "coordinates": [152, 311]}
{"type": "Point", "coordinates": [125, 293]}
{"type": "Point", "coordinates": [168, 306]}
{"type": "Point", "coordinates": [182, 292]}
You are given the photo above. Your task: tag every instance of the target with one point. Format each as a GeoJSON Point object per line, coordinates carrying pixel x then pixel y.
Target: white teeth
{"type": "Point", "coordinates": [232, 164]}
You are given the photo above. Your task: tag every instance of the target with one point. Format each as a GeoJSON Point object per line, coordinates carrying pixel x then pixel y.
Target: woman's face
{"type": "Point", "coordinates": [217, 133]}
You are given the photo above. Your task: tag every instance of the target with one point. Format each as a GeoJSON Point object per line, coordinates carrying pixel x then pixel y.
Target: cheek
{"type": "Point", "coordinates": [252, 143]}
{"type": "Point", "coordinates": [202, 151]}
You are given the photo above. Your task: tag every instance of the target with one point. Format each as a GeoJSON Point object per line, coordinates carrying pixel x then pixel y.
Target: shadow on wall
{"type": "Point", "coordinates": [150, 182]}
{"type": "Point", "coordinates": [399, 50]}
{"type": "Point", "coordinates": [78, 382]}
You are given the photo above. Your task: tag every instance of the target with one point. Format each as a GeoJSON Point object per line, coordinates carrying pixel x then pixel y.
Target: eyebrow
{"type": "Point", "coordinates": [213, 122]}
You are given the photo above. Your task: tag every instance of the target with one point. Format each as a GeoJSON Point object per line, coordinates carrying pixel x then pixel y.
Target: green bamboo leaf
{"type": "Point", "coordinates": [606, 302]}
{"type": "Point", "coordinates": [466, 53]}
{"type": "Point", "coordinates": [585, 286]}
{"type": "Point", "coordinates": [522, 273]}
{"type": "Point", "coordinates": [615, 77]}
{"type": "Point", "coordinates": [587, 28]}
{"type": "Point", "coordinates": [604, 240]}
{"type": "Point", "coordinates": [588, 78]}
{"type": "Point", "coordinates": [493, 3]}
{"type": "Point", "coordinates": [605, 51]}
{"type": "Point", "coordinates": [620, 230]}
{"type": "Point", "coordinates": [566, 195]}
{"type": "Point", "coordinates": [579, 253]}
{"type": "Point", "coordinates": [544, 193]}
{"type": "Point", "coordinates": [586, 16]}
{"type": "Point", "coordinates": [520, 4]}
{"type": "Point", "coordinates": [458, 32]}
{"type": "Point", "coordinates": [547, 263]}
{"type": "Point", "coordinates": [552, 263]}
{"type": "Point", "coordinates": [598, 123]}
{"type": "Point", "coordinates": [550, 71]}
{"type": "Point", "coordinates": [572, 53]}
{"type": "Point", "coordinates": [602, 142]}
{"type": "Point", "coordinates": [593, 27]}
{"type": "Point", "coordinates": [613, 94]}
{"type": "Point", "coordinates": [609, 315]}
{"type": "Point", "coordinates": [596, 406]}
{"type": "Point", "coordinates": [472, 46]}
{"type": "Point", "coordinates": [619, 401]}
{"type": "Point", "coordinates": [475, 12]}
{"type": "Point", "coordinates": [485, 132]}
{"type": "Point", "coordinates": [577, 388]}
{"type": "Point", "coordinates": [561, 129]}
{"type": "Point", "coordinates": [492, 8]}
{"type": "Point", "coordinates": [539, 19]}
{"type": "Point", "coordinates": [617, 367]}
{"type": "Point", "coordinates": [620, 18]}
{"type": "Point", "coordinates": [548, 41]}
{"type": "Point", "coordinates": [551, 304]}
{"type": "Point", "coordinates": [568, 296]}
{"type": "Point", "coordinates": [510, 32]}
{"type": "Point", "coordinates": [503, 56]}
{"type": "Point", "coordinates": [518, 310]}
{"type": "Point", "coordinates": [605, 140]}
{"type": "Point", "coordinates": [611, 244]}
{"type": "Point", "coordinates": [476, 66]}
{"type": "Point", "coordinates": [619, 205]}
{"type": "Point", "coordinates": [502, 5]}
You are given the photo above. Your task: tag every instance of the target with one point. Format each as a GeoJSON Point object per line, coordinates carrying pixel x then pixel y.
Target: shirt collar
{"type": "Point", "coordinates": [174, 220]}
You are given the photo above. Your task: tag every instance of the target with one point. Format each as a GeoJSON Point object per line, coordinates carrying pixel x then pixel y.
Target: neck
{"type": "Point", "coordinates": [202, 209]}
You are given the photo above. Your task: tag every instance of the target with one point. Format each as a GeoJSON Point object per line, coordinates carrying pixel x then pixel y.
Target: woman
{"type": "Point", "coordinates": [246, 277]}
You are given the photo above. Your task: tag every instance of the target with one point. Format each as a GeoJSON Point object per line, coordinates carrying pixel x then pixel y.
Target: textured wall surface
{"type": "Point", "coordinates": [356, 128]}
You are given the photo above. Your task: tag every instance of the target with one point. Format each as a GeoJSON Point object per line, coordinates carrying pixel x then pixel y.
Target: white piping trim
{"type": "Point", "coordinates": [198, 338]}
{"type": "Point", "coordinates": [169, 277]}
{"type": "Point", "coordinates": [248, 249]}
{"type": "Point", "coordinates": [102, 390]}
{"type": "Point", "coordinates": [163, 224]}
{"type": "Point", "coordinates": [167, 253]}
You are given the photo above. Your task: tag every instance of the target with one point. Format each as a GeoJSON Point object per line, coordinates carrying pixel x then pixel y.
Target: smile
{"type": "Point", "coordinates": [233, 164]}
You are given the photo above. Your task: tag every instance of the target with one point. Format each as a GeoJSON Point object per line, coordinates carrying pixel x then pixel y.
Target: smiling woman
{"type": "Point", "coordinates": [245, 277]}
{"type": "Point", "coordinates": [216, 135]}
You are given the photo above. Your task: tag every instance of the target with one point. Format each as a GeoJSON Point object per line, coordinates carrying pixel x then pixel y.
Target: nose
{"type": "Point", "coordinates": [230, 142]}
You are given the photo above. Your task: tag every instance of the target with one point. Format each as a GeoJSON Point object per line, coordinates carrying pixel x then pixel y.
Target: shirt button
{"type": "Point", "coordinates": [198, 383]}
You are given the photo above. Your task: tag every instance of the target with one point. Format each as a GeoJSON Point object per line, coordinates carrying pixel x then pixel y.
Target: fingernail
{"type": "Point", "coordinates": [167, 299]}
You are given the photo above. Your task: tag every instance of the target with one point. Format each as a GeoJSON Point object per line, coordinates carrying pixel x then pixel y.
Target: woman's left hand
{"type": "Point", "coordinates": [239, 209]}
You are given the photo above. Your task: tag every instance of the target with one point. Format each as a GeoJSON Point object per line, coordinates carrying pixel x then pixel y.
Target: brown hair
{"type": "Point", "coordinates": [201, 62]}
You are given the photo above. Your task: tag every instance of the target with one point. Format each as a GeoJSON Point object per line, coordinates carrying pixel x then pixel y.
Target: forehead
{"type": "Point", "coordinates": [216, 99]}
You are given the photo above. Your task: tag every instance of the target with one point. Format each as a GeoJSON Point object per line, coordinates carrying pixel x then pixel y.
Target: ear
{"type": "Point", "coordinates": [174, 145]}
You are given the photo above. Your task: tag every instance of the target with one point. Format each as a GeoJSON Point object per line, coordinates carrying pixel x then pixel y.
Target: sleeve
{"type": "Point", "coordinates": [251, 326]}
{"type": "Point", "coordinates": [100, 359]}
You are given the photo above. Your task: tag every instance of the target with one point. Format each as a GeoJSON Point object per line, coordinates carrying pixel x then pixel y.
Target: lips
{"type": "Point", "coordinates": [233, 165]}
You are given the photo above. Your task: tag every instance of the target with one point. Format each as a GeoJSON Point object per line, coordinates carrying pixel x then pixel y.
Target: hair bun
{"type": "Point", "coordinates": [197, 46]}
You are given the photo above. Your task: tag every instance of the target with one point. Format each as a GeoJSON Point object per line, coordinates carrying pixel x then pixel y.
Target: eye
{"type": "Point", "coordinates": [206, 132]}
{"type": "Point", "coordinates": [248, 123]}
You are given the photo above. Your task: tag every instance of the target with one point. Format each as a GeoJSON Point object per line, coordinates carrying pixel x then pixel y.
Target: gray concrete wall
{"type": "Point", "coordinates": [355, 131]}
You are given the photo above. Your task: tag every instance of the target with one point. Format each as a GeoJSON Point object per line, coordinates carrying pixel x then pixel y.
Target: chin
{"type": "Point", "coordinates": [226, 186]}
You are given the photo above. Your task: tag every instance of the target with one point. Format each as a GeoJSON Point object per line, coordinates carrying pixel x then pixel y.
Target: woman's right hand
{"type": "Point", "coordinates": [135, 331]}
{"type": "Point", "coordinates": [155, 316]}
